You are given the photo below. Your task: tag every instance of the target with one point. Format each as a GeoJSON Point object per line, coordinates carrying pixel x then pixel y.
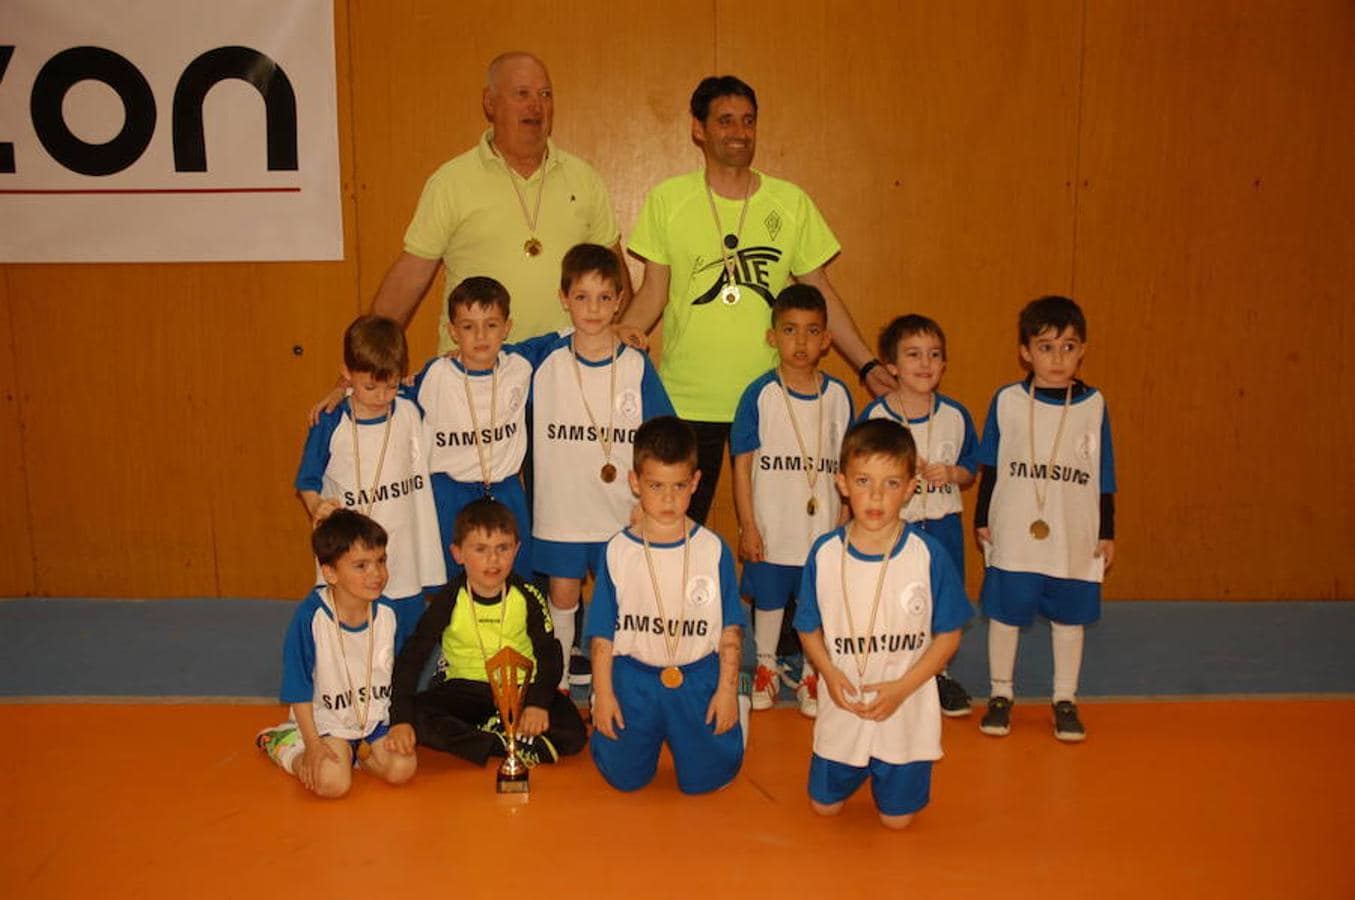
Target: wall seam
{"type": "Point", "coordinates": [23, 438]}
{"type": "Point", "coordinates": [1077, 149]}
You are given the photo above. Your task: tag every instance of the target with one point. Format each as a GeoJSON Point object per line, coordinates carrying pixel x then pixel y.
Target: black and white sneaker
{"type": "Point", "coordinates": [955, 699]}
{"type": "Point", "coordinates": [1067, 726]}
{"type": "Point", "coordinates": [580, 668]}
{"type": "Point", "coordinates": [998, 720]}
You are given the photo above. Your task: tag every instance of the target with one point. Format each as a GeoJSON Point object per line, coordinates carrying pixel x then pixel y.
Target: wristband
{"type": "Point", "coordinates": [864, 371]}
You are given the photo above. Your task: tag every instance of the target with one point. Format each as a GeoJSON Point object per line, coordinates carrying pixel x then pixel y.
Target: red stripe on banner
{"type": "Point", "coordinates": [246, 190]}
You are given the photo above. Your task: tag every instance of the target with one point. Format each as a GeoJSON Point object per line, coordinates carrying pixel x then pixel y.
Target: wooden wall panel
{"type": "Point", "coordinates": [1216, 255]}
{"type": "Point", "coordinates": [16, 545]}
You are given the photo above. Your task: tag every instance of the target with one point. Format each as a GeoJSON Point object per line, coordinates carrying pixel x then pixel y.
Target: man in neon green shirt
{"type": "Point", "coordinates": [718, 245]}
{"type": "Point", "coordinates": [510, 207]}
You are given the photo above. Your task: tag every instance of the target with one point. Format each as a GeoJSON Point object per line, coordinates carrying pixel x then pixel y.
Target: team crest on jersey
{"type": "Point", "coordinates": [628, 404]}
{"type": "Point", "coordinates": [515, 397]}
{"type": "Point", "coordinates": [700, 590]}
{"type": "Point", "coordinates": [1085, 446]}
{"type": "Point", "coordinates": [945, 451]}
{"type": "Point", "coordinates": [914, 598]}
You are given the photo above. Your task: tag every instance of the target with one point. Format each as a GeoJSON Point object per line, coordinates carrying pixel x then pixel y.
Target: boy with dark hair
{"type": "Point", "coordinates": [336, 666]}
{"type": "Point", "coordinates": [880, 612]}
{"type": "Point", "coordinates": [1046, 509]}
{"type": "Point", "coordinates": [589, 395]}
{"type": "Point", "coordinates": [486, 608]}
{"type": "Point", "coordinates": [365, 455]}
{"type": "Point", "coordinates": [474, 401]}
{"type": "Point", "coordinates": [665, 627]}
{"type": "Point", "coordinates": [785, 439]}
{"type": "Point", "coordinates": [914, 350]}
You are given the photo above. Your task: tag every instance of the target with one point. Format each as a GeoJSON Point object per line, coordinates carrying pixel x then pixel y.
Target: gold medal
{"type": "Point", "coordinates": [671, 677]}
{"type": "Point", "coordinates": [730, 295]}
{"type": "Point", "coordinates": [811, 506]}
{"type": "Point", "coordinates": [608, 473]}
{"type": "Point", "coordinates": [364, 750]}
{"type": "Point", "coordinates": [532, 247]}
{"type": "Point", "coordinates": [1039, 529]}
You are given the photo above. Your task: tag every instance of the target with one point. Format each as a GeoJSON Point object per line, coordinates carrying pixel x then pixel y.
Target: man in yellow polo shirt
{"type": "Point", "coordinates": [719, 244]}
{"type": "Point", "coordinates": [510, 207]}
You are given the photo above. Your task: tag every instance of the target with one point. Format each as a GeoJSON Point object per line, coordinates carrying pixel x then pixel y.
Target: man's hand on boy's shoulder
{"type": "Point", "coordinates": [400, 739]}
{"type": "Point", "coordinates": [631, 335]}
{"type": "Point", "coordinates": [534, 721]}
{"type": "Point", "coordinates": [328, 403]}
{"type": "Point", "coordinates": [723, 709]}
{"type": "Point", "coordinates": [607, 713]}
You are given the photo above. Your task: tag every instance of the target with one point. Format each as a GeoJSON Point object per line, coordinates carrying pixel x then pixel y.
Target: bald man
{"type": "Point", "coordinates": [510, 207]}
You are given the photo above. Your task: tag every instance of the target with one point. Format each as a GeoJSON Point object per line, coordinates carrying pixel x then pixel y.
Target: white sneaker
{"type": "Point", "coordinates": [808, 695]}
{"type": "Point", "coordinates": [765, 684]}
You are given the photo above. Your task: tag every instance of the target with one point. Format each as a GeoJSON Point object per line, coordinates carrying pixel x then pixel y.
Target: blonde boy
{"type": "Point", "coordinates": [880, 611]}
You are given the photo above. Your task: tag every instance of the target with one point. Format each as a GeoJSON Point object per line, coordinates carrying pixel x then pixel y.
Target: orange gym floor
{"type": "Point", "coordinates": [1246, 799]}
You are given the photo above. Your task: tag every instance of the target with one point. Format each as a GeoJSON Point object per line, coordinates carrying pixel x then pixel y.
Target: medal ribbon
{"type": "Point", "coordinates": [604, 438]}
{"type": "Point", "coordinates": [380, 460]}
{"type": "Point", "coordinates": [514, 178]}
{"type": "Point", "coordinates": [1038, 484]}
{"type": "Point", "coordinates": [812, 471]}
{"type": "Point", "coordinates": [726, 252]}
{"type": "Point", "coordinates": [860, 649]}
{"type": "Point", "coordinates": [671, 641]}
{"type": "Point", "coordinates": [481, 450]}
{"type": "Point", "coordinates": [343, 659]}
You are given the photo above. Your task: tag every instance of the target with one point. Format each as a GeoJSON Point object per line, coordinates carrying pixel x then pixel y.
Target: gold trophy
{"type": "Point", "coordinates": [509, 671]}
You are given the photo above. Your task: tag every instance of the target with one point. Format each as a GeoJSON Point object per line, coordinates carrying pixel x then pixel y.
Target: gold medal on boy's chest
{"type": "Point", "coordinates": [730, 295]}
{"type": "Point", "coordinates": [811, 507]}
{"type": "Point", "coordinates": [532, 247]}
{"type": "Point", "coordinates": [671, 677]}
{"type": "Point", "coordinates": [1039, 529]}
{"type": "Point", "coordinates": [364, 750]}
{"type": "Point", "coordinates": [608, 473]}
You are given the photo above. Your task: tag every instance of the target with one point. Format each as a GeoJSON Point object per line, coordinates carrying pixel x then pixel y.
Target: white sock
{"type": "Point", "coordinates": [1067, 643]}
{"type": "Point", "coordinates": [766, 633]}
{"type": "Point", "coordinates": [1002, 642]}
{"type": "Point", "coordinates": [807, 670]}
{"type": "Point", "coordinates": [563, 622]}
{"type": "Point", "coordinates": [745, 715]}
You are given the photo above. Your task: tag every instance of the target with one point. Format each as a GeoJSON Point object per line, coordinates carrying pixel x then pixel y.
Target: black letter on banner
{"type": "Point", "coordinates": [6, 148]}
{"type": "Point", "coordinates": [202, 74]}
{"type": "Point", "coordinates": [67, 69]}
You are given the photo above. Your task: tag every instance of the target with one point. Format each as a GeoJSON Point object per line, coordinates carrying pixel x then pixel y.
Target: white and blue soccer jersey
{"type": "Point", "coordinates": [948, 437]}
{"type": "Point", "coordinates": [314, 657]}
{"type": "Point", "coordinates": [1083, 469]}
{"type": "Point", "coordinates": [922, 596]}
{"type": "Point", "coordinates": [455, 401]}
{"type": "Point", "coordinates": [781, 489]}
{"type": "Point", "coordinates": [571, 502]}
{"type": "Point", "coordinates": [401, 498]}
{"type": "Point", "coordinates": [624, 609]}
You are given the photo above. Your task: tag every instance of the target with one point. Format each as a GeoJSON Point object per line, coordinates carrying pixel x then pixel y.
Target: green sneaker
{"type": "Point", "coordinates": [537, 750]}
{"type": "Point", "coordinates": [277, 741]}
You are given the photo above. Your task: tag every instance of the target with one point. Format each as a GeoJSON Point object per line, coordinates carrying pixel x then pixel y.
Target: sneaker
{"type": "Point", "coordinates": [954, 698]}
{"type": "Point", "coordinates": [281, 743]}
{"type": "Point", "coordinates": [580, 668]}
{"type": "Point", "coordinates": [1067, 726]}
{"type": "Point", "coordinates": [535, 751]}
{"type": "Point", "coordinates": [998, 720]}
{"type": "Point", "coordinates": [766, 682]}
{"type": "Point", "coordinates": [493, 725]}
{"type": "Point", "coordinates": [808, 695]}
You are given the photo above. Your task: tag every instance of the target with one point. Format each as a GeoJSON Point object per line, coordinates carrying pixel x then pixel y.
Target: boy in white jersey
{"type": "Point", "coordinates": [666, 627]}
{"type": "Point", "coordinates": [475, 413]}
{"type": "Point", "coordinates": [1046, 509]}
{"type": "Point", "coordinates": [366, 454]}
{"type": "Point", "coordinates": [486, 608]}
{"type": "Point", "coordinates": [785, 438]}
{"type": "Point", "coordinates": [336, 666]}
{"type": "Point", "coordinates": [880, 612]}
{"type": "Point", "coordinates": [914, 350]}
{"type": "Point", "coordinates": [589, 395]}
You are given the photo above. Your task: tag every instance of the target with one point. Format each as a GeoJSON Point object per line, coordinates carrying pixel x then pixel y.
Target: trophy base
{"type": "Point", "coordinates": [512, 783]}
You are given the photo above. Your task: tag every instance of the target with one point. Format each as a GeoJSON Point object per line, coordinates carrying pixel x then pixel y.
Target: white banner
{"type": "Point", "coordinates": [168, 130]}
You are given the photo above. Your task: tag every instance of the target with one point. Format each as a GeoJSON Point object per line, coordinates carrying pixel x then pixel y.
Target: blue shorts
{"type": "Point", "coordinates": [408, 611]}
{"type": "Point", "coordinates": [377, 734]}
{"type": "Point", "coordinates": [654, 714]}
{"type": "Point", "coordinates": [949, 530]}
{"type": "Point", "coordinates": [568, 559]}
{"type": "Point", "coordinates": [1013, 598]}
{"type": "Point", "coordinates": [899, 790]}
{"type": "Point", "coordinates": [450, 496]}
{"type": "Point", "coordinates": [771, 585]}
